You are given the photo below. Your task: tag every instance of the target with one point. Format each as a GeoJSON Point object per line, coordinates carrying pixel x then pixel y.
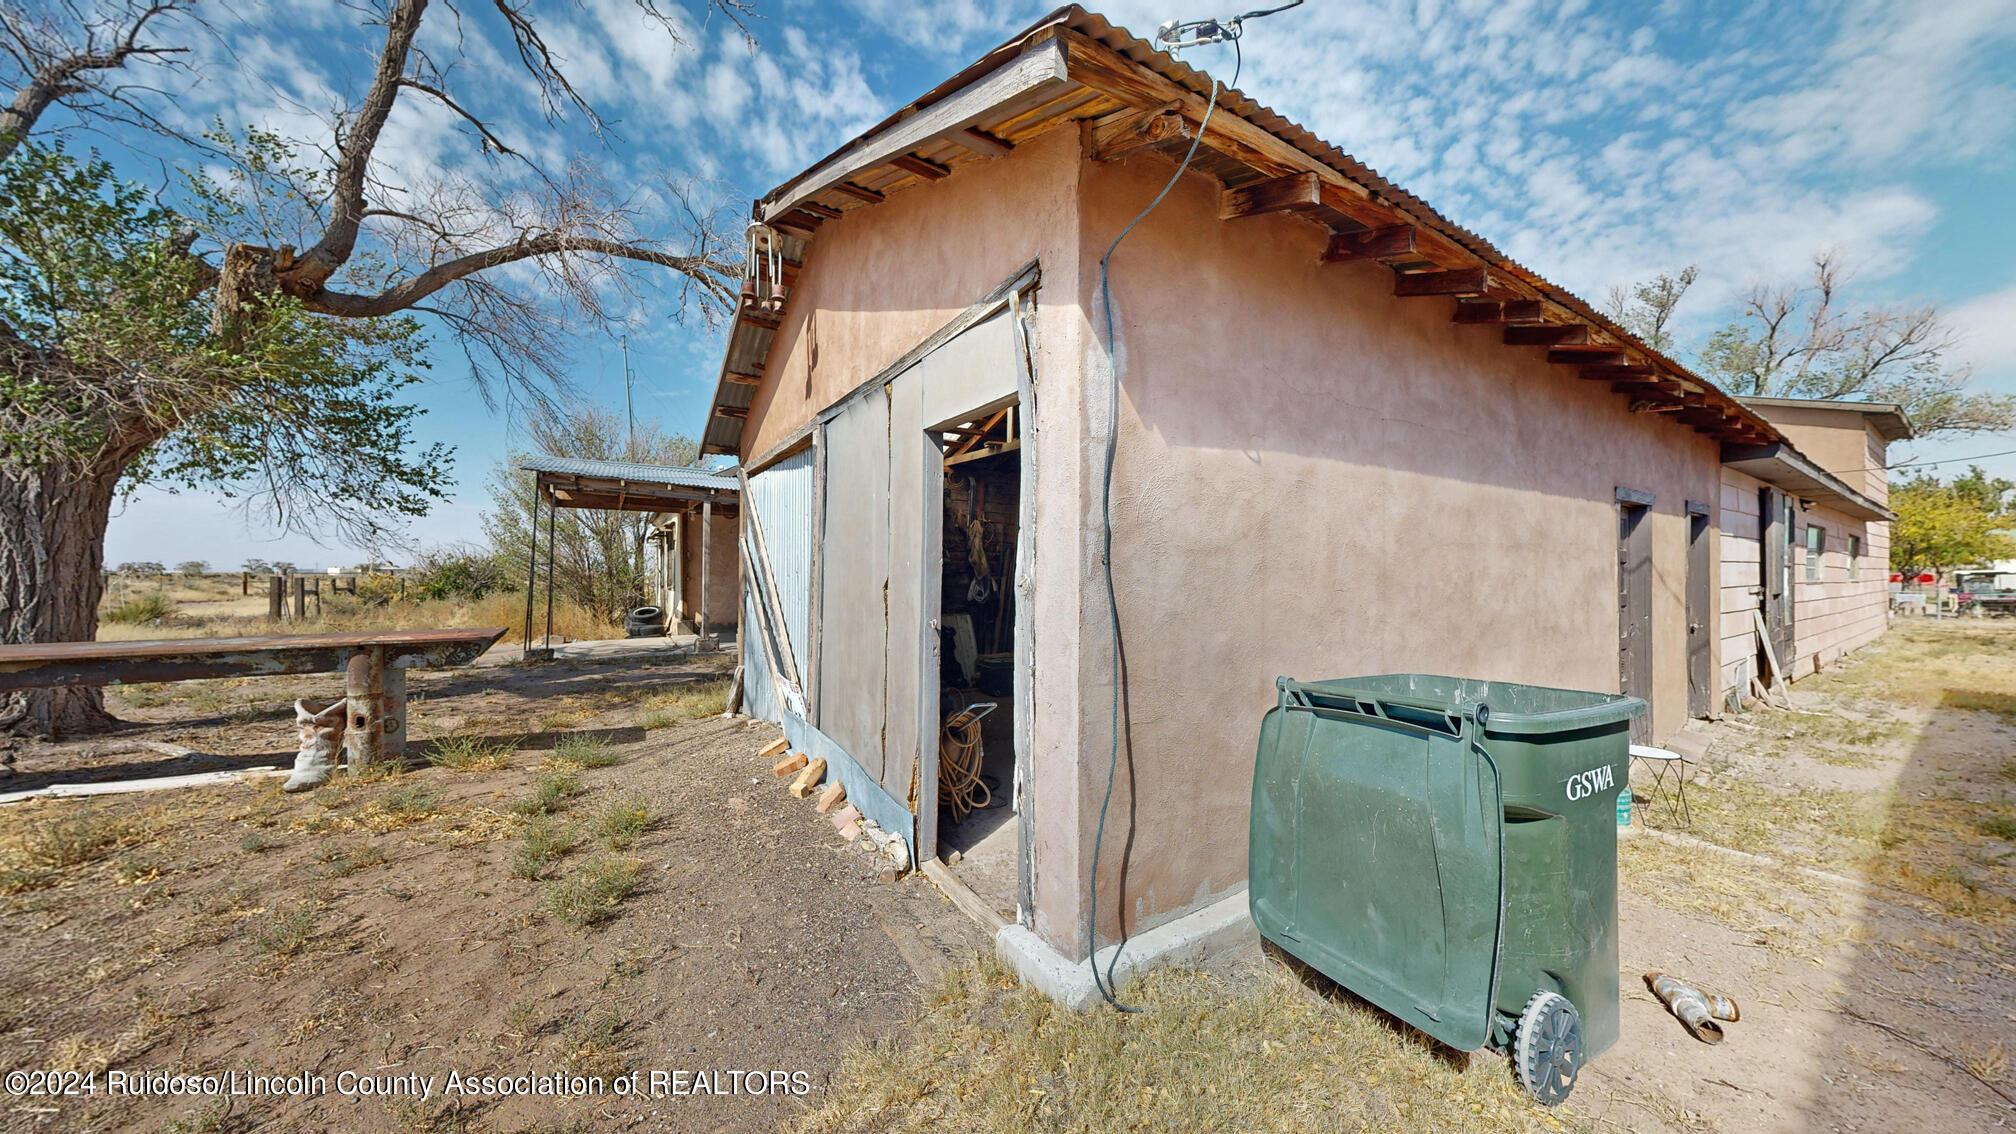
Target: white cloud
{"type": "Point", "coordinates": [1602, 145]}
{"type": "Point", "coordinates": [1987, 326]}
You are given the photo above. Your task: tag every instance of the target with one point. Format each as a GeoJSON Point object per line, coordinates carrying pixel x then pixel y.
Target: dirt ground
{"type": "Point", "coordinates": [597, 874]}
{"type": "Point", "coordinates": [415, 923]}
{"type": "Point", "coordinates": [1845, 875]}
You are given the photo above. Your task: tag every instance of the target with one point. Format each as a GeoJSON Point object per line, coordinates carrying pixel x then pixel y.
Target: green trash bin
{"type": "Point", "coordinates": [1447, 849]}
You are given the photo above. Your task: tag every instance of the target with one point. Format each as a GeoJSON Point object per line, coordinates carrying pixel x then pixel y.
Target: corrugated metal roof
{"type": "Point", "coordinates": [629, 471]}
{"type": "Point", "coordinates": [749, 344]}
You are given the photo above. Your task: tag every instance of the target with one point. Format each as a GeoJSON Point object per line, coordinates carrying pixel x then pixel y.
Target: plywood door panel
{"type": "Point", "coordinates": [854, 565]}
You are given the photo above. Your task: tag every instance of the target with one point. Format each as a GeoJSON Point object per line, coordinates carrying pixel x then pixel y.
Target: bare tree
{"type": "Point", "coordinates": [1811, 340]}
{"type": "Point", "coordinates": [302, 249]}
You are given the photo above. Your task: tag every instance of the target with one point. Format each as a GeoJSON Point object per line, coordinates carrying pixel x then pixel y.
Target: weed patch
{"type": "Point", "coordinates": [468, 754]}
{"type": "Point", "coordinates": [623, 820]}
{"type": "Point", "coordinates": [594, 895]}
{"type": "Point", "coordinates": [549, 795]}
{"type": "Point", "coordinates": [543, 845]}
{"type": "Point", "coordinates": [585, 752]}
{"type": "Point", "coordinates": [288, 934]}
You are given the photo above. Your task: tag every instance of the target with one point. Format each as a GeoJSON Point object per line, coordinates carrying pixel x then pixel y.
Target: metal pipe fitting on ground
{"type": "Point", "coordinates": [1698, 1011]}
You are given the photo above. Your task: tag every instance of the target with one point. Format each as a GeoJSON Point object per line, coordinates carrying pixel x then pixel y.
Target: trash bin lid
{"type": "Point", "coordinates": [1512, 709]}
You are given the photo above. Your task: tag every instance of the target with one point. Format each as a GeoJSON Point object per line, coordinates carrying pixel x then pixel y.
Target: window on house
{"type": "Point", "coordinates": [1816, 546]}
{"type": "Point", "coordinates": [1854, 558]}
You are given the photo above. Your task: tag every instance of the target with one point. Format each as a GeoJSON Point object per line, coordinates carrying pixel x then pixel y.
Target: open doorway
{"type": "Point", "coordinates": [981, 517]}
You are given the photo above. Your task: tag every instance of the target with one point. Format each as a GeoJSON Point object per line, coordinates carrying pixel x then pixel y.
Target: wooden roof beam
{"type": "Point", "coordinates": [859, 192]}
{"type": "Point", "coordinates": [1595, 354]}
{"type": "Point", "coordinates": [980, 142]}
{"type": "Point", "coordinates": [740, 379]}
{"type": "Point", "coordinates": [1119, 135]}
{"type": "Point", "coordinates": [1459, 281]}
{"type": "Point", "coordinates": [1296, 192]}
{"type": "Point", "coordinates": [923, 167]}
{"type": "Point", "coordinates": [1395, 241]}
{"type": "Point", "coordinates": [1499, 311]}
{"type": "Point", "coordinates": [1547, 334]}
{"type": "Point", "coordinates": [1620, 373]}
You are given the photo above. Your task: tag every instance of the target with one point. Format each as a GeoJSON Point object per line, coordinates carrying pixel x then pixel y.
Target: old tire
{"type": "Point", "coordinates": [1547, 1051]}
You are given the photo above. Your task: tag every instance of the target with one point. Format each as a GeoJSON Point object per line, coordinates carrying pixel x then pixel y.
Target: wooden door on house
{"type": "Point", "coordinates": [1634, 604]}
{"type": "Point", "coordinates": [1775, 535]}
{"type": "Point", "coordinates": [1700, 614]}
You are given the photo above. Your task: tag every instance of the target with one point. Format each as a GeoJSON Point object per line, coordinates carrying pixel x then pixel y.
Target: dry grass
{"type": "Point", "coordinates": [221, 612]}
{"type": "Point", "coordinates": [1962, 664]}
{"type": "Point", "coordinates": [468, 754]}
{"type": "Point", "coordinates": [1206, 1056]}
{"type": "Point", "coordinates": [594, 895]}
{"type": "Point", "coordinates": [684, 702]}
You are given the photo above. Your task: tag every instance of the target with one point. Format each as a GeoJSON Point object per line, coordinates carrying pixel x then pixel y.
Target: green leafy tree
{"type": "Point", "coordinates": [1941, 526]}
{"type": "Point", "coordinates": [252, 327]}
{"type": "Point", "coordinates": [598, 555]}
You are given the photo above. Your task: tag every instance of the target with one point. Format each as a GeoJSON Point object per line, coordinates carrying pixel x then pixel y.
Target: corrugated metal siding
{"type": "Point", "coordinates": [782, 498]}
{"type": "Point", "coordinates": [759, 695]}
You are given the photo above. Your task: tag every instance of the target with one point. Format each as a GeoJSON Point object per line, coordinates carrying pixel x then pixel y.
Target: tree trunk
{"type": "Point", "coordinates": [52, 561]}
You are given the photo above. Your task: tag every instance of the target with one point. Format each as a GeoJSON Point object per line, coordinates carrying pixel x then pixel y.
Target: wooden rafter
{"type": "Point", "coordinates": [1546, 334]}
{"type": "Point", "coordinates": [1395, 241]}
{"type": "Point", "coordinates": [922, 167]}
{"type": "Point", "coordinates": [1297, 192]}
{"type": "Point", "coordinates": [1458, 281]}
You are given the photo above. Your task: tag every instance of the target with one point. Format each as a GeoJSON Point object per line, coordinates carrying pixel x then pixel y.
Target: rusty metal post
{"type": "Point", "coordinates": [276, 597]}
{"type": "Point", "coordinates": [395, 713]}
{"type": "Point", "coordinates": [531, 577]}
{"type": "Point", "coordinates": [706, 546]}
{"type": "Point", "coordinates": [552, 517]}
{"type": "Point", "coordinates": [364, 684]}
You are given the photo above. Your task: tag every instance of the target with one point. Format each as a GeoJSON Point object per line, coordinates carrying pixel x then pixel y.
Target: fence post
{"type": "Point", "coordinates": [276, 597]}
{"type": "Point", "coordinates": [300, 598]}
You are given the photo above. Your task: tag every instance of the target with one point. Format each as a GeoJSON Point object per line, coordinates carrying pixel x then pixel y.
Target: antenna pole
{"type": "Point", "coordinates": [629, 411]}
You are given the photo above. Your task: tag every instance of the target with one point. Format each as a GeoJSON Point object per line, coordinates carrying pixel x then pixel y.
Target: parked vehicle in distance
{"type": "Point", "coordinates": [1986, 592]}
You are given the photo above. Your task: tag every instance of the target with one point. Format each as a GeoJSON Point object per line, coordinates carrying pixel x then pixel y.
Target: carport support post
{"type": "Point", "coordinates": [706, 545]}
{"type": "Point", "coordinates": [364, 683]}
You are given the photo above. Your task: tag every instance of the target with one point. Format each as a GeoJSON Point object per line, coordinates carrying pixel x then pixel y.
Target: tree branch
{"type": "Point", "coordinates": [712, 275]}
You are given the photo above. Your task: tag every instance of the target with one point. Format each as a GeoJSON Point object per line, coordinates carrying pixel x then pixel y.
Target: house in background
{"type": "Point", "coordinates": [1352, 438]}
{"type": "Point", "coordinates": [1805, 545]}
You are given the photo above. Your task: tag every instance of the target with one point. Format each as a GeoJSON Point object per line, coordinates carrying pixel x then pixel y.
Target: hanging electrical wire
{"type": "Point", "coordinates": [1171, 36]}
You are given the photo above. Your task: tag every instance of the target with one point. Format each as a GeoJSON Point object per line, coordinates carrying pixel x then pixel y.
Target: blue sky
{"type": "Point", "coordinates": [1596, 143]}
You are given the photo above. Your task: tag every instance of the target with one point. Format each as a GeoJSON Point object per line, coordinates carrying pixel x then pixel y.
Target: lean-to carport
{"type": "Point", "coordinates": [622, 486]}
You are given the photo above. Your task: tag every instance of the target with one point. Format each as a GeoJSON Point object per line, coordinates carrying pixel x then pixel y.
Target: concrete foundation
{"type": "Point", "coordinates": [1223, 927]}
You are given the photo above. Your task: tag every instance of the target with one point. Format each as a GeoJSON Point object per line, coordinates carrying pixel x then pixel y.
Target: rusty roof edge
{"type": "Point", "coordinates": [1094, 25]}
{"type": "Point", "coordinates": [1097, 27]}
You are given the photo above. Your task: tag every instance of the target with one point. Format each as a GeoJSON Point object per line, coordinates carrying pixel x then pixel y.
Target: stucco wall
{"type": "Point", "coordinates": [1318, 479]}
{"type": "Point", "coordinates": [1839, 441]}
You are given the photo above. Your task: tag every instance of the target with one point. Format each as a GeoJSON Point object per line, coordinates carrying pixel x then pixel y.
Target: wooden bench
{"type": "Point", "coordinates": [374, 665]}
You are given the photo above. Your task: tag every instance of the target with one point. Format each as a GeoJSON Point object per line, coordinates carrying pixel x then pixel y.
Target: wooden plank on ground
{"type": "Point", "coordinates": [962, 896]}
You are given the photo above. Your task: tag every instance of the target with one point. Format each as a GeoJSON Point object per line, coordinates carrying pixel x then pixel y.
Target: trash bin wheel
{"type": "Point", "coordinates": [1547, 1051]}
